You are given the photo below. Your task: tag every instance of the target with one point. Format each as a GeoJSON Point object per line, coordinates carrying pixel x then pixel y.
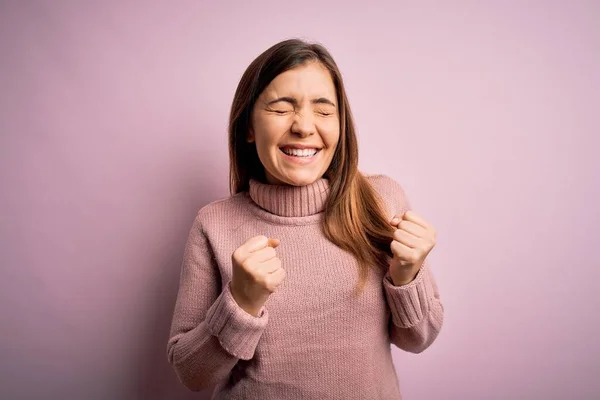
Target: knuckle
{"type": "Point", "coordinates": [238, 261]}
{"type": "Point", "coordinates": [248, 264]}
{"type": "Point", "coordinates": [270, 284]}
{"type": "Point", "coordinates": [268, 280]}
{"type": "Point", "coordinates": [260, 280]}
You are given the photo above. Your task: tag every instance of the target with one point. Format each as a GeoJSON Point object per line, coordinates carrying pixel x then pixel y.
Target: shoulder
{"type": "Point", "coordinates": [391, 192]}
{"type": "Point", "coordinates": [220, 211]}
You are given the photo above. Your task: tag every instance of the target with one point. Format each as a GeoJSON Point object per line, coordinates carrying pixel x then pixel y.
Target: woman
{"type": "Point", "coordinates": [266, 307]}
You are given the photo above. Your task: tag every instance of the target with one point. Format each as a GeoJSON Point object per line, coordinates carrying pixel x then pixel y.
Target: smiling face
{"type": "Point", "coordinates": [296, 126]}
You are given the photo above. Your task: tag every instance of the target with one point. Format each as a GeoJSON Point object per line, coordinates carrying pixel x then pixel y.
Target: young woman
{"type": "Point", "coordinates": [296, 285]}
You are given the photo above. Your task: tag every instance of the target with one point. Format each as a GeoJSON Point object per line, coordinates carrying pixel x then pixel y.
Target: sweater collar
{"type": "Point", "coordinates": [290, 201]}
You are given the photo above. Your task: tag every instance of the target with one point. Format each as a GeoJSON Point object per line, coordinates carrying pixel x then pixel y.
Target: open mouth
{"type": "Point", "coordinates": [300, 153]}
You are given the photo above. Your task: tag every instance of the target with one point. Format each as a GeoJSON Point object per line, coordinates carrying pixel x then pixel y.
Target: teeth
{"type": "Point", "coordinates": [300, 152]}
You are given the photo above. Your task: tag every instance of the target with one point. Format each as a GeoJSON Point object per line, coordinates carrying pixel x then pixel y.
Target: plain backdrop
{"type": "Point", "coordinates": [113, 134]}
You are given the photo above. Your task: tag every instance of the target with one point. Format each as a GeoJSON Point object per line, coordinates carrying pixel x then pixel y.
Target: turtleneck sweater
{"type": "Point", "coordinates": [313, 338]}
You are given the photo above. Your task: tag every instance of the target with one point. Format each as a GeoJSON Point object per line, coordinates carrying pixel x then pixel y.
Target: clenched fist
{"type": "Point", "coordinates": [413, 239]}
{"type": "Point", "coordinates": [256, 273]}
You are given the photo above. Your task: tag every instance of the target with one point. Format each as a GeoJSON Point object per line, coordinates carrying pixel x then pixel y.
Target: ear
{"type": "Point", "coordinates": [250, 136]}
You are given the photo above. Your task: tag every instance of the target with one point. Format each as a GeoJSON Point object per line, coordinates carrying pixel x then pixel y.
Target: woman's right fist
{"type": "Point", "coordinates": [256, 273]}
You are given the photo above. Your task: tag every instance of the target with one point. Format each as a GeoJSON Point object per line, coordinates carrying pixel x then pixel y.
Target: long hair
{"type": "Point", "coordinates": [354, 217]}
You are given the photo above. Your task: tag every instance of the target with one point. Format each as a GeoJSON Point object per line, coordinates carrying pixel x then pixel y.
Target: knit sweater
{"type": "Point", "coordinates": [313, 338]}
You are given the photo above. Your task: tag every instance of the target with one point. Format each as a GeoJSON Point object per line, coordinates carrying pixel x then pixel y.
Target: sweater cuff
{"type": "Point", "coordinates": [237, 331]}
{"type": "Point", "coordinates": [410, 303]}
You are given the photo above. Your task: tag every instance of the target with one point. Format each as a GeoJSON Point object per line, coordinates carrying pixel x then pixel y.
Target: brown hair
{"type": "Point", "coordinates": [354, 216]}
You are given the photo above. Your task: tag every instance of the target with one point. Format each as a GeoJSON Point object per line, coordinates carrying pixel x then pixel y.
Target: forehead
{"type": "Point", "coordinates": [312, 79]}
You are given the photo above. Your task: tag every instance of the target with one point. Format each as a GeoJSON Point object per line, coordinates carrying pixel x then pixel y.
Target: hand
{"type": "Point", "coordinates": [413, 239]}
{"type": "Point", "coordinates": [256, 273]}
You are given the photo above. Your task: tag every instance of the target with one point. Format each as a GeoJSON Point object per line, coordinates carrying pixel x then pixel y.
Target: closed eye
{"type": "Point", "coordinates": [280, 112]}
{"type": "Point", "coordinates": [324, 112]}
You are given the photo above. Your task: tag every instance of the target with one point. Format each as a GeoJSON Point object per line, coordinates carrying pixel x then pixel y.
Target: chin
{"type": "Point", "coordinates": [299, 179]}
{"type": "Point", "coordinates": [303, 182]}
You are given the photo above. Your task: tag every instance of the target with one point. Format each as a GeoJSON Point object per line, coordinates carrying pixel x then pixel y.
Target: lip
{"type": "Point", "coordinates": [300, 146]}
{"type": "Point", "coordinates": [301, 160]}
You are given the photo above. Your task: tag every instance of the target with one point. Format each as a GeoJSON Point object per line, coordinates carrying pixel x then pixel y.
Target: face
{"type": "Point", "coordinates": [295, 125]}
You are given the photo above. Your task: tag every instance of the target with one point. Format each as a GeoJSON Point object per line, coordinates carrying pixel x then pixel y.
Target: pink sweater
{"type": "Point", "coordinates": [313, 339]}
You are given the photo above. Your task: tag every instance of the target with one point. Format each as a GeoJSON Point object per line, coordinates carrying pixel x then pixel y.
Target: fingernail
{"type": "Point", "coordinates": [395, 220]}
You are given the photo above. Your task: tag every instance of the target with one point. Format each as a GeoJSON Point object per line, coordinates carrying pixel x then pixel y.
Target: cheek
{"type": "Point", "coordinates": [331, 135]}
{"type": "Point", "coordinates": [266, 145]}
{"type": "Point", "coordinates": [268, 130]}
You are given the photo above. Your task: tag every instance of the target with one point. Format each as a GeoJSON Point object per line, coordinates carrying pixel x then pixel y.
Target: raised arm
{"type": "Point", "coordinates": [417, 314]}
{"type": "Point", "coordinates": [209, 331]}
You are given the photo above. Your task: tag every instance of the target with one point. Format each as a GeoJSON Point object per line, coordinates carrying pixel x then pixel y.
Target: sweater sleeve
{"type": "Point", "coordinates": [417, 314]}
{"type": "Point", "coordinates": [209, 331]}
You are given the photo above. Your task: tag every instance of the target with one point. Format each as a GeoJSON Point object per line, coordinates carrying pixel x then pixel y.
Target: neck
{"type": "Point", "coordinates": [290, 201]}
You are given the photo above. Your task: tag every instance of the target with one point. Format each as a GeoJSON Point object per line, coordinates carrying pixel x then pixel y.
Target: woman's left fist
{"type": "Point", "coordinates": [413, 239]}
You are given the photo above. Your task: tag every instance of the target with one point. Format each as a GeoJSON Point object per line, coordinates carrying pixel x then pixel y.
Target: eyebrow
{"type": "Point", "coordinates": [294, 102]}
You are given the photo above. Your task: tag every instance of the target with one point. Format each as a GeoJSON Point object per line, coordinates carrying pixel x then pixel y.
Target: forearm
{"type": "Point", "coordinates": [205, 354]}
{"type": "Point", "coordinates": [416, 311]}
{"type": "Point", "coordinates": [199, 360]}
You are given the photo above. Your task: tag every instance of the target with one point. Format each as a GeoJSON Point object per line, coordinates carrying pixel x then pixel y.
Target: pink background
{"type": "Point", "coordinates": [113, 122]}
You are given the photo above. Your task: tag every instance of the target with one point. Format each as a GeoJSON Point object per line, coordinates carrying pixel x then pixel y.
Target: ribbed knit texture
{"type": "Point", "coordinates": [313, 339]}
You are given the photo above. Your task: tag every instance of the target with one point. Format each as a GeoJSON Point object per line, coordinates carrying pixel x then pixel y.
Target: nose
{"type": "Point", "coordinates": [304, 124]}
